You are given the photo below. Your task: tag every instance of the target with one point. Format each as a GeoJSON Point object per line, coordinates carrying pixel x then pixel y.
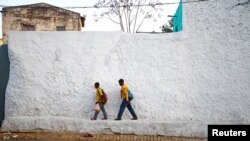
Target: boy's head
{"type": "Point", "coordinates": [121, 82]}
{"type": "Point", "coordinates": [97, 85]}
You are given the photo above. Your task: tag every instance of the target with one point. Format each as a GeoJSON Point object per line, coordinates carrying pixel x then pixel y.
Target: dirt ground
{"type": "Point", "coordinates": [56, 136]}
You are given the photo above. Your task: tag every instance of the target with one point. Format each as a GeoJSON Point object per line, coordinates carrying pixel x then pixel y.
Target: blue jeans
{"type": "Point", "coordinates": [122, 108]}
{"type": "Point", "coordinates": [103, 111]}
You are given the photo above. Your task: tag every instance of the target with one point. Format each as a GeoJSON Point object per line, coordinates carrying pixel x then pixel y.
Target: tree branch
{"type": "Point", "coordinates": [126, 18]}
{"type": "Point", "coordinates": [136, 15]}
{"type": "Point", "coordinates": [113, 20]}
{"type": "Point", "coordinates": [120, 18]}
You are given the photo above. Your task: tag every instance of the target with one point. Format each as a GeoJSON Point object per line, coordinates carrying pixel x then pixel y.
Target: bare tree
{"type": "Point", "coordinates": [129, 14]}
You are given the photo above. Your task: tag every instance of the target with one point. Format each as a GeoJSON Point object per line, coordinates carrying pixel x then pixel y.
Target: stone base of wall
{"type": "Point", "coordinates": [139, 127]}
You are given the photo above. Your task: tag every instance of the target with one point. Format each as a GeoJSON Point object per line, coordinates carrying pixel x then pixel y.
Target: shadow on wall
{"type": "Point", "coordinates": [4, 77]}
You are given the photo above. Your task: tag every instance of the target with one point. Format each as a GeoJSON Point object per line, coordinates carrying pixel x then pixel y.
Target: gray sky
{"type": "Point", "coordinates": [92, 25]}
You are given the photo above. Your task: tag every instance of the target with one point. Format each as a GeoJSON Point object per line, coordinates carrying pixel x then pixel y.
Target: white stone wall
{"type": "Point", "coordinates": [200, 75]}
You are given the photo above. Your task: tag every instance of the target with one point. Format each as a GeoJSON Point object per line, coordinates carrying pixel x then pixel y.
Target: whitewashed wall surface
{"type": "Point", "coordinates": [181, 81]}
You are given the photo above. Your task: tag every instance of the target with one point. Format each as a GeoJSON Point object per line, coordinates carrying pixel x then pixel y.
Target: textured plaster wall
{"type": "Point", "coordinates": [219, 30]}
{"type": "Point", "coordinates": [200, 75]}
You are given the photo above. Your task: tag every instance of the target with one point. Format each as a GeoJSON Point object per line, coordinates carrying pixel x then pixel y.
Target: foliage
{"type": "Point", "coordinates": [168, 27]}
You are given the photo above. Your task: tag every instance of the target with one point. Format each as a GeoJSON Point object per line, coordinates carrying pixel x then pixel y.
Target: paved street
{"type": "Point", "coordinates": [41, 136]}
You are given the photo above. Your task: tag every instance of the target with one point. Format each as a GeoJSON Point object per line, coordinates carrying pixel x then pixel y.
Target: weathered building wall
{"type": "Point", "coordinates": [42, 16]}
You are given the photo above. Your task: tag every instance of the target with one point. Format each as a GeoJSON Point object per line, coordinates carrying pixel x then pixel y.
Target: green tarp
{"type": "Point", "coordinates": [4, 77]}
{"type": "Point", "coordinates": [177, 19]}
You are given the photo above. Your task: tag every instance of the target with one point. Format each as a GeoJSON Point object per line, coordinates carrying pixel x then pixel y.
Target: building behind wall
{"type": "Point", "coordinates": [39, 17]}
{"type": "Point", "coordinates": [1, 42]}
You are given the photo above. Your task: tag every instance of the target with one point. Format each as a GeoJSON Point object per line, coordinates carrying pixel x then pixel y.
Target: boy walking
{"type": "Point", "coordinates": [100, 101]}
{"type": "Point", "coordinates": [125, 102]}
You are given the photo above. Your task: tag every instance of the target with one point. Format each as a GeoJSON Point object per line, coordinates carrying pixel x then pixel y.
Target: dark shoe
{"type": "Point", "coordinates": [92, 119]}
{"type": "Point", "coordinates": [118, 119]}
{"type": "Point", "coordinates": [134, 118]}
{"type": "Point", "coordinates": [104, 118]}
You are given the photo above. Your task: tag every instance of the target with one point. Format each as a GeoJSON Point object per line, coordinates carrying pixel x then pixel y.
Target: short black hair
{"type": "Point", "coordinates": [121, 81]}
{"type": "Point", "coordinates": [97, 84]}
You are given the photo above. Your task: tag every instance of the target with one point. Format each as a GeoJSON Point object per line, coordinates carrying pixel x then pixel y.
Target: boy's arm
{"type": "Point", "coordinates": [100, 92]}
{"type": "Point", "coordinates": [125, 91]}
{"type": "Point", "coordinates": [126, 94]}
